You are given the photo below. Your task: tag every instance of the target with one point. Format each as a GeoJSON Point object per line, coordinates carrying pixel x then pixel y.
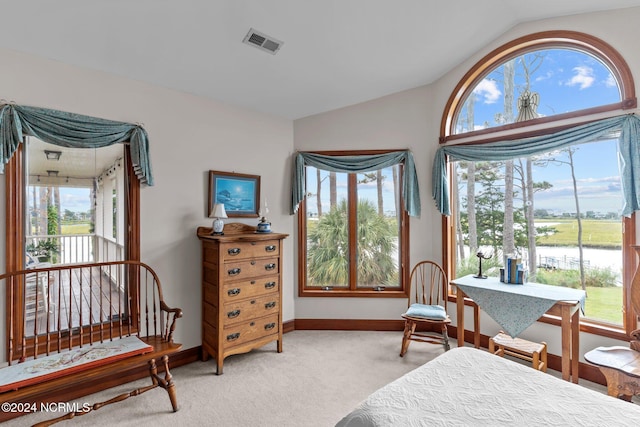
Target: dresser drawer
{"type": "Point", "coordinates": [257, 328]}
{"type": "Point", "coordinates": [244, 269]}
{"type": "Point", "coordinates": [242, 311]}
{"type": "Point", "coordinates": [250, 288]}
{"type": "Point", "coordinates": [244, 250]}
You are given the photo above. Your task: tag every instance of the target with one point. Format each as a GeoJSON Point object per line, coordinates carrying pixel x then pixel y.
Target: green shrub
{"type": "Point", "coordinates": [469, 265]}
{"type": "Point", "coordinates": [594, 277]}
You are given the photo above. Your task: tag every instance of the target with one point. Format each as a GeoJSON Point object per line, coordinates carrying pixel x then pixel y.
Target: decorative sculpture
{"type": "Point", "coordinates": [483, 253]}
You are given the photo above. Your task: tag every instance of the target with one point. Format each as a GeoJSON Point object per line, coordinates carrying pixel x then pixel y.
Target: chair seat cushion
{"type": "Point", "coordinates": [435, 312]}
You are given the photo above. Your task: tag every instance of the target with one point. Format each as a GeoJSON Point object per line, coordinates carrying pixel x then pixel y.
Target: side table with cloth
{"type": "Point", "coordinates": [516, 307]}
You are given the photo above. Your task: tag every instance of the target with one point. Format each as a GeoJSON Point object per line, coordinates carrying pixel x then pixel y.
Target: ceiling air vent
{"type": "Point", "coordinates": [262, 41]}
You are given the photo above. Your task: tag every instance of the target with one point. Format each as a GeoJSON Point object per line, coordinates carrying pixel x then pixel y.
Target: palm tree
{"type": "Point", "coordinates": [328, 253]}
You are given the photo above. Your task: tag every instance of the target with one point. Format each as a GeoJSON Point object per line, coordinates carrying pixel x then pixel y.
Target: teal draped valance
{"type": "Point", "coordinates": [625, 128]}
{"type": "Point", "coordinates": [357, 164]}
{"type": "Point", "coordinates": [72, 130]}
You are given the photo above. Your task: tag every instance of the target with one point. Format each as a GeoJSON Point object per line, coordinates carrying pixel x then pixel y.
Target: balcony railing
{"type": "Point", "coordinates": [74, 248]}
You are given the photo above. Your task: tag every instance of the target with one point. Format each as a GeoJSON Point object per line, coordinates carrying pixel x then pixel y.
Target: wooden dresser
{"type": "Point", "coordinates": [241, 291]}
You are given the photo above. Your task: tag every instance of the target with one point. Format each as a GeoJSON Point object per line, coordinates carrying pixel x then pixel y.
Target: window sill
{"type": "Point", "coordinates": [348, 293]}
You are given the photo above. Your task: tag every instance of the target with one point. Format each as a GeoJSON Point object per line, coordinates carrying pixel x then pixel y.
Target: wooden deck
{"type": "Point", "coordinates": [67, 299]}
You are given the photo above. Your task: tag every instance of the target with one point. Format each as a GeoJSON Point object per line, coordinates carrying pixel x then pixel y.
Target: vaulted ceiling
{"type": "Point", "coordinates": [335, 52]}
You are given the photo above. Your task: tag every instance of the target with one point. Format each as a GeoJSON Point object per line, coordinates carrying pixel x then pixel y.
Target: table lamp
{"type": "Point", "coordinates": [218, 213]}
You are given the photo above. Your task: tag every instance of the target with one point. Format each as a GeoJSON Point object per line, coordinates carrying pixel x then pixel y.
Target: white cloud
{"type": "Point", "coordinates": [547, 76]}
{"type": "Point", "coordinates": [488, 90]}
{"type": "Point", "coordinates": [583, 77]}
{"type": "Point", "coordinates": [610, 81]}
{"type": "Point", "coordinates": [589, 180]}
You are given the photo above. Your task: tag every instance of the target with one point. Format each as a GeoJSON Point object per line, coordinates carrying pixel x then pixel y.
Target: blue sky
{"type": "Point", "coordinates": [564, 81]}
{"type": "Point", "coordinates": [75, 199]}
{"type": "Point", "coordinates": [367, 191]}
{"type": "Point", "coordinates": [597, 178]}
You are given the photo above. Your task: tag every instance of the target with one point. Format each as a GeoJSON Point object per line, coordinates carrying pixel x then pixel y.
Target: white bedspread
{"type": "Point", "coordinates": [469, 387]}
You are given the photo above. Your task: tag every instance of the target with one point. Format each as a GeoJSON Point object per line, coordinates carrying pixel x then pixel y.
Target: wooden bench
{"type": "Point", "coordinates": [82, 306]}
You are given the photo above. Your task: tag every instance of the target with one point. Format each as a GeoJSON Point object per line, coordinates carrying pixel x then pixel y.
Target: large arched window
{"type": "Point", "coordinates": [560, 210]}
{"type": "Point", "coordinates": [555, 63]}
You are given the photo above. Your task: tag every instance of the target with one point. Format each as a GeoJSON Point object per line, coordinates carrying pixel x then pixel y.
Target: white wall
{"type": "Point", "coordinates": [188, 137]}
{"type": "Point", "coordinates": [411, 119]}
{"type": "Point", "coordinates": [398, 121]}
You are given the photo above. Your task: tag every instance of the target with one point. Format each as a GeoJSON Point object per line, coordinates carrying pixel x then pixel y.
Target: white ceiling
{"type": "Point", "coordinates": [335, 53]}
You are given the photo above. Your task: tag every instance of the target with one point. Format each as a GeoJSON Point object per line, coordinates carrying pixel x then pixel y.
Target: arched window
{"type": "Point", "coordinates": [559, 210]}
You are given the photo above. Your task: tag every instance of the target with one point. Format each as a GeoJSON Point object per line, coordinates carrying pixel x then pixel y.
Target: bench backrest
{"type": "Point", "coordinates": [61, 307]}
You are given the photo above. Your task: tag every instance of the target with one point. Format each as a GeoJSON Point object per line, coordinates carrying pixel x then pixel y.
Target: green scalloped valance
{"type": "Point", "coordinates": [72, 130]}
{"type": "Point", "coordinates": [625, 128]}
{"type": "Point", "coordinates": [356, 164]}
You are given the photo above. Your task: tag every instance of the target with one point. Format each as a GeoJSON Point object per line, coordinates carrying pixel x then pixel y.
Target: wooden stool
{"type": "Point", "coordinates": [522, 349]}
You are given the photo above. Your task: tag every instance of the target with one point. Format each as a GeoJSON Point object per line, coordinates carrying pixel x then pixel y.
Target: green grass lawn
{"type": "Point", "coordinates": [604, 304]}
{"type": "Point", "coordinates": [77, 228]}
{"type": "Point", "coordinates": [595, 233]}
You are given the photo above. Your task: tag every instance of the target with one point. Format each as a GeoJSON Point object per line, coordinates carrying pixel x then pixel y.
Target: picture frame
{"type": "Point", "coordinates": [240, 193]}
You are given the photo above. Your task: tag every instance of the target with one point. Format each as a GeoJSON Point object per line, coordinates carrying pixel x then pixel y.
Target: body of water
{"type": "Point", "coordinates": [567, 257]}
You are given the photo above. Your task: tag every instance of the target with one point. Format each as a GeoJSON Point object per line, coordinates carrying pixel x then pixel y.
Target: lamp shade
{"type": "Point", "coordinates": [218, 211]}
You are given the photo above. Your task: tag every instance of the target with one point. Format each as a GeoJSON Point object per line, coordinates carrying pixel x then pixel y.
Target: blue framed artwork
{"type": "Point", "coordinates": [240, 193]}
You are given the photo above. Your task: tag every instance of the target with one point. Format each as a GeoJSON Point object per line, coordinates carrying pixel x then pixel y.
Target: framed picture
{"type": "Point", "coordinates": [240, 193]}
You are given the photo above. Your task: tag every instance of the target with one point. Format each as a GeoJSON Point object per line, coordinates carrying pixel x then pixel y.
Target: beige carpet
{"type": "Point", "coordinates": [319, 378]}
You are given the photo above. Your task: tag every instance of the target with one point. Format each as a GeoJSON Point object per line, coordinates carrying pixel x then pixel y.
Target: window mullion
{"type": "Point", "coordinates": [353, 230]}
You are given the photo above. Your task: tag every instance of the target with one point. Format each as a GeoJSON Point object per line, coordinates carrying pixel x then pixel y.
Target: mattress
{"type": "Point", "coordinates": [469, 387]}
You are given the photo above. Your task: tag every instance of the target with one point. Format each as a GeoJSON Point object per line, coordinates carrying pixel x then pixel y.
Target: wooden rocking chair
{"type": "Point", "coordinates": [426, 306]}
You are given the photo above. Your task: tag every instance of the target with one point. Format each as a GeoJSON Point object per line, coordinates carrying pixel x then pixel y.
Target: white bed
{"type": "Point", "coordinates": [469, 387]}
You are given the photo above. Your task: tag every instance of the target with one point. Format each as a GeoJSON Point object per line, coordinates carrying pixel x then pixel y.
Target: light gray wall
{"type": "Point", "coordinates": [411, 119]}
{"type": "Point", "coordinates": [188, 137]}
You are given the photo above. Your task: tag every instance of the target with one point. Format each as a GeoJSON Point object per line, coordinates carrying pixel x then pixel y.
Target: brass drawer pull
{"type": "Point", "coordinates": [270, 285]}
{"type": "Point", "coordinates": [232, 314]}
{"type": "Point", "coordinates": [253, 263]}
{"type": "Point", "coordinates": [233, 337]}
{"type": "Point", "coordinates": [270, 305]}
{"type": "Point", "coordinates": [269, 326]}
{"type": "Point", "coordinates": [270, 266]}
{"type": "Point", "coordinates": [233, 251]}
{"type": "Point", "coordinates": [233, 292]}
{"type": "Point", "coordinates": [270, 248]}
{"type": "Point", "coordinates": [233, 272]}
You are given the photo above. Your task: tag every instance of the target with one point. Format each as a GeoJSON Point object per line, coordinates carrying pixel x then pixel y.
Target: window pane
{"type": "Point", "coordinates": [564, 80]}
{"type": "Point", "coordinates": [377, 228]}
{"type": "Point", "coordinates": [327, 229]}
{"type": "Point", "coordinates": [566, 224]}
